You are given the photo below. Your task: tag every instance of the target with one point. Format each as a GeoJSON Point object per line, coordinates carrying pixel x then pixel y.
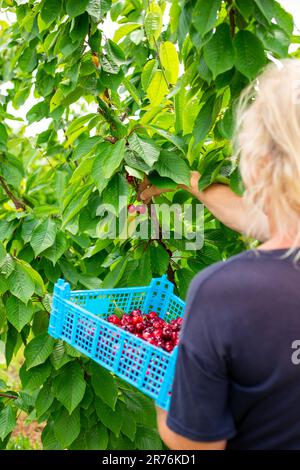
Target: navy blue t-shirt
{"type": "Point", "coordinates": [235, 379]}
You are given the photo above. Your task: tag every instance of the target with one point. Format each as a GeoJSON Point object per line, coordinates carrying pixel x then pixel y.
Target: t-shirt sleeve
{"type": "Point", "coordinates": [199, 408]}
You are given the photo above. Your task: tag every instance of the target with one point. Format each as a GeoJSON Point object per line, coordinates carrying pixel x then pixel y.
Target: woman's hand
{"type": "Point", "coordinates": [148, 191]}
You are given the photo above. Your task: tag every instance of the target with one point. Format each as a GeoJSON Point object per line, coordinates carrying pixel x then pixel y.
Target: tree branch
{"type": "Point", "coordinates": [231, 17]}
{"type": "Point", "coordinates": [18, 204]}
{"type": "Point", "coordinates": [6, 395]}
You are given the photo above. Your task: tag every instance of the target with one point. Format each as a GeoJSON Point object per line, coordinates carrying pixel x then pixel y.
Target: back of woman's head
{"type": "Point", "coordinates": [268, 145]}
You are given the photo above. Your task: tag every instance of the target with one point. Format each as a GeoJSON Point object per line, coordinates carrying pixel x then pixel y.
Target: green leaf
{"type": "Point", "coordinates": [142, 275]}
{"type": "Point", "coordinates": [184, 277]}
{"type": "Point", "coordinates": [38, 350]}
{"type": "Point", "coordinates": [85, 147]}
{"type": "Point", "coordinates": [43, 236]}
{"type": "Point", "coordinates": [67, 427]}
{"type": "Point", "coordinates": [59, 357]}
{"type": "Point", "coordinates": [112, 419]}
{"type": "Point", "coordinates": [161, 182]}
{"type": "Point", "coordinates": [160, 259]}
{"type": "Point", "coordinates": [275, 40]}
{"type": "Point", "coordinates": [2, 253]}
{"type": "Point", "coordinates": [7, 421]}
{"type": "Point", "coordinates": [50, 10]}
{"type": "Point", "coordinates": [104, 385]}
{"type": "Point", "coordinates": [173, 166]}
{"type": "Point", "coordinates": [236, 183]}
{"type": "Point", "coordinates": [227, 124]}
{"type": "Point", "coordinates": [136, 162]}
{"type": "Point", "coordinates": [115, 53]}
{"type": "Point", "coordinates": [153, 22]}
{"type": "Point", "coordinates": [205, 15]}
{"type": "Point", "coordinates": [55, 252]}
{"type": "Point", "coordinates": [97, 437]}
{"type": "Point", "coordinates": [147, 439]}
{"type": "Point", "coordinates": [113, 276]}
{"type": "Point", "coordinates": [132, 90]}
{"type": "Point", "coordinates": [98, 8]}
{"type": "Point", "coordinates": [267, 7]}
{"type": "Point", "coordinates": [37, 112]}
{"type": "Point", "coordinates": [44, 400]}
{"type": "Point", "coordinates": [169, 59]}
{"type": "Point", "coordinates": [76, 7]}
{"type": "Point", "coordinates": [3, 285]}
{"type": "Point", "coordinates": [109, 66]}
{"type": "Point", "coordinates": [245, 7]}
{"type": "Point", "coordinates": [7, 266]}
{"type": "Point", "coordinates": [249, 54]}
{"type": "Point", "coordinates": [3, 134]}
{"type": "Point", "coordinates": [219, 52]}
{"type": "Point", "coordinates": [128, 427]}
{"type": "Point", "coordinates": [21, 284]}
{"type": "Point", "coordinates": [18, 314]}
{"type": "Point", "coordinates": [158, 88]}
{"type": "Point", "coordinates": [284, 19]}
{"type": "Point", "coordinates": [204, 120]}
{"type": "Point", "coordinates": [34, 378]}
{"type": "Point", "coordinates": [28, 60]}
{"type": "Point", "coordinates": [49, 439]}
{"type": "Point", "coordinates": [109, 158]}
{"type": "Point", "coordinates": [147, 74]}
{"type": "Point", "coordinates": [69, 386]}
{"type": "Point", "coordinates": [125, 30]}
{"type": "Point", "coordinates": [12, 338]}
{"type": "Point", "coordinates": [146, 149]}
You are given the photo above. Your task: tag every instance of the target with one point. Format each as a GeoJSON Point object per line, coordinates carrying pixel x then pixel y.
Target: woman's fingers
{"type": "Point", "coordinates": [147, 191]}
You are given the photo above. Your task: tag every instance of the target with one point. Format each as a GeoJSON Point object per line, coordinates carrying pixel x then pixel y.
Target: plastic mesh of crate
{"type": "Point", "coordinates": [79, 318]}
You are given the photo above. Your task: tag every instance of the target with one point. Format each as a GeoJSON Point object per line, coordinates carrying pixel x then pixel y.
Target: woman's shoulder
{"type": "Point", "coordinates": [233, 266]}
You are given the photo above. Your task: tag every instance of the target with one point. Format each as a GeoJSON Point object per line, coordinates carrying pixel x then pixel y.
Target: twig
{"type": "Point", "coordinates": [231, 17]}
{"type": "Point", "coordinates": [11, 397]}
{"type": "Point", "coordinates": [18, 204]}
{"type": "Point", "coordinates": [112, 140]}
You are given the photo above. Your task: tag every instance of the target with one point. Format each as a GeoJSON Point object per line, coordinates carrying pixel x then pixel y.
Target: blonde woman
{"type": "Point", "coordinates": [236, 385]}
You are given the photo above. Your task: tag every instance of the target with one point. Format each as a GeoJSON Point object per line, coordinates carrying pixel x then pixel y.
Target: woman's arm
{"type": "Point", "coordinates": [176, 442]}
{"type": "Point", "coordinates": [219, 199]}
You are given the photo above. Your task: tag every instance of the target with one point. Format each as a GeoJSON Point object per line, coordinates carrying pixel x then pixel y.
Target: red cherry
{"type": "Point", "coordinates": [158, 323]}
{"type": "Point", "coordinates": [157, 333]}
{"type": "Point", "coordinates": [174, 336]}
{"type": "Point", "coordinates": [130, 328]}
{"type": "Point", "coordinates": [136, 312]}
{"type": "Point", "coordinates": [130, 178]}
{"type": "Point", "coordinates": [142, 209]}
{"type": "Point", "coordinates": [126, 320]}
{"type": "Point", "coordinates": [152, 315]}
{"type": "Point", "coordinates": [137, 319]}
{"type": "Point", "coordinates": [139, 327]}
{"type": "Point", "coordinates": [147, 335]}
{"type": "Point", "coordinates": [168, 346]}
{"type": "Point", "coordinates": [153, 341]}
{"type": "Point", "coordinates": [131, 208]}
{"type": "Point", "coordinates": [167, 332]}
{"type": "Point", "coordinates": [114, 319]}
{"type": "Point", "coordinates": [179, 321]}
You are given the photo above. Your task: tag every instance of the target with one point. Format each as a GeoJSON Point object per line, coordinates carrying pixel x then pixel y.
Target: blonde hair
{"type": "Point", "coordinates": [268, 147]}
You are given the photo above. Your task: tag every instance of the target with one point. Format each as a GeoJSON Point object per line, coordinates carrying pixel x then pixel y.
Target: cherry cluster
{"type": "Point", "coordinates": [150, 327]}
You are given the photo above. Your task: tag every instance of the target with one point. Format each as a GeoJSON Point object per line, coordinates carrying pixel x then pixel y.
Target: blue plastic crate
{"type": "Point", "coordinates": [79, 318]}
